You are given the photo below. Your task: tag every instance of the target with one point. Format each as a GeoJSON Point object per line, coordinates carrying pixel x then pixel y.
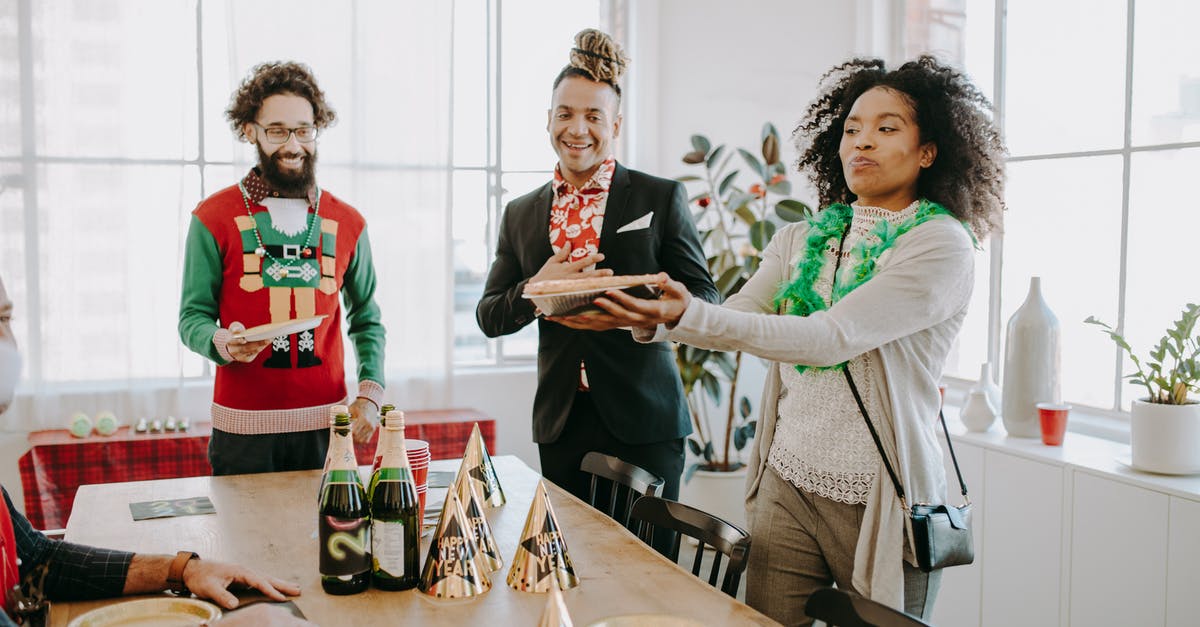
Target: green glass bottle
{"type": "Point", "coordinates": [395, 523]}
{"type": "Point", "coordinates": [344, 518]}
{"type": "Point", "coordinates": [381, 444]}
{"type": "Point", "coordinates": [333, 414]}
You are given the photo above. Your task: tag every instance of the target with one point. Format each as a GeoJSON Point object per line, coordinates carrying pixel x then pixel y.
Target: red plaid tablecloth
{"type": "Point", "coordinates": [57, 463]}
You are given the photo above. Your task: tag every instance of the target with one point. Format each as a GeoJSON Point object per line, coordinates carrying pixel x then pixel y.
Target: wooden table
{"type": "Point", "coordinates": [269, 522]}
{"type": "Point", "coordinates": [57, 463]}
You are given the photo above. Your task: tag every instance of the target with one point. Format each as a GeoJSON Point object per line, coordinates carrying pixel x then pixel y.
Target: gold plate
{"type": "Point", "coordinates": [647, 620]}
{"type": "Point", "coordinates": [275, 329]}
{"type": "Point", "coordinates": [162, 612]}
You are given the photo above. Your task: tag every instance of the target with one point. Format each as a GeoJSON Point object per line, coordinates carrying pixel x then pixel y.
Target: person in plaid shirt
{"type": "Point", "coordinates": [75, 571]}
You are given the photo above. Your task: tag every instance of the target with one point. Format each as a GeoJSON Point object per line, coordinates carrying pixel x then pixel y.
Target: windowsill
{"type": "Point", "coordinates": [1080, 451]}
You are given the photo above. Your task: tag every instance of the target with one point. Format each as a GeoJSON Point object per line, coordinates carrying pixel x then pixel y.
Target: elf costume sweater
{"type": "Point", "coordinates": [239, 268]}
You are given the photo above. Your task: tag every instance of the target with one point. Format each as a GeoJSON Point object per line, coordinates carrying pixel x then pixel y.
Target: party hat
{"type": "Point", "coordinates": [451, 571]}
{"type": "Point", "coordinates": [541, 557]}
{"type": "Point", "coordinates": [487, 553]}
{"type": "Point", "coordinates": [478, 464]}
{"type": "Point", "coordinates": [555, 614]}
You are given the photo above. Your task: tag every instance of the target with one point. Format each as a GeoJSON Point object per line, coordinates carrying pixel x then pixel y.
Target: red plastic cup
{"type": "Point", "coordinates": [1053, 417]}
{"type": "Point", "coordinates": [421, 505]}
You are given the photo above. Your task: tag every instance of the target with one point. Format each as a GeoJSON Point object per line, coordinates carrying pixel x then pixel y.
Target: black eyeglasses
{"type": "Point", "coordinates": [281, 135]}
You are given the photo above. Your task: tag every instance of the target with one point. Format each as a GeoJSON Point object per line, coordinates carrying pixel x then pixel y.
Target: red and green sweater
{"type": "Point", "coordinates": [224, 281]}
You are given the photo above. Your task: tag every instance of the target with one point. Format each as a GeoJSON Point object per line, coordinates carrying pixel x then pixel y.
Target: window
{"type": "Point", "coordinates": [112, 131]}
{"type": "Point", "coordinates": [1103, 129]}
{"type": "Point", "coordinates": [514, 51]}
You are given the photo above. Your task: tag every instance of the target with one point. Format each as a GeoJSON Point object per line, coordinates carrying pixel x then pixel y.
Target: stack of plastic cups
{"type": "Point", "coordinates": [418, 458]}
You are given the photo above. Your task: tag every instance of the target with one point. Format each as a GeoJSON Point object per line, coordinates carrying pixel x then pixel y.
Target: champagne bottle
{"type": "Point", "coordinates": [381, 446]}
{"type": "Point", "coordinates": [344, 518]}
{"type": "Point", "coordinates": [395, 526]}
{"type": "Point", "coordinates": [333, 414]}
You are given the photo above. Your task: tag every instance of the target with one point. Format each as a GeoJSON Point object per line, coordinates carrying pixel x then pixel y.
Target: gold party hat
{"type": "Point", "coordinates": [451, 571]}
{"type": "Point", "coordinates": [487, 553]}
{"type": "Point", "coordinates": [541, 557]}
{"type": "Point", "coordinates": [478, 464]}
{"type": "Point", "coordinates": [555, 614]}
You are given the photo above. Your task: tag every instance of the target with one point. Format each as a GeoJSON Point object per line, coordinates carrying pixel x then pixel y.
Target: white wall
{"type": "Point", "coordinates": [722, 68]}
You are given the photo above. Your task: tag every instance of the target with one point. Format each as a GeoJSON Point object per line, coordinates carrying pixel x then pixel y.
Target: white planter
{"type": "Point", "coordinates": [722, 494]}
{"type": "Point", "coordinates": [1165, 438]}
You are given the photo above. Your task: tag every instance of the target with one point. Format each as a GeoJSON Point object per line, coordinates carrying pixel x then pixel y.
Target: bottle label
{"type": "Point", "coordinates": [345, 545]}
{"type": "Point", "coordinates": [387, 547]}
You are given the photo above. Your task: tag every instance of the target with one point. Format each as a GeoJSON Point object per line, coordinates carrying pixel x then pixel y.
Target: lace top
{"type": "Point", "coordinates": [821, 444]}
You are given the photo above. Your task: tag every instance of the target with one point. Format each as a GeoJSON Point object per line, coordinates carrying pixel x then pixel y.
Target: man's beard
{"type": "Point", "coordinates": [290, 183]}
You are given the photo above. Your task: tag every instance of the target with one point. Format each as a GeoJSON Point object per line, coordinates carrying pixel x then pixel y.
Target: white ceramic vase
{"type": "Point", "coordinates": [1032, 365]}
{"type": "Point", "coordinates": [1165, 438]}
{"type": "Point", "coordinates": [722, 494]}
{"type": "Point", "coordinates": [988, 386]}
{"type": "Point", "coordinates": [978, 413]}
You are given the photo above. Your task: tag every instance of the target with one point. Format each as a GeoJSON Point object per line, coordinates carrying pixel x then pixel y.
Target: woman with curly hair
{"type": "Point", "coordinates": [909, 169]}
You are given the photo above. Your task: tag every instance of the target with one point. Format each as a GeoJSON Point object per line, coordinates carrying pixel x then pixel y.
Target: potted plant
{"type": "Point", "coordinates": [735, 223]}
{"type": "Point", "coordinates": [1164, 433]}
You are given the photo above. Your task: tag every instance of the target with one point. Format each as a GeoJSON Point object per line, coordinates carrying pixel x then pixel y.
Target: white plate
{"type": "Point", "coordinates": [275, 329]}
{"type": "Point", "coordinates": [160, 612]}
{"type": "Point", "coordinates": [562, 303]}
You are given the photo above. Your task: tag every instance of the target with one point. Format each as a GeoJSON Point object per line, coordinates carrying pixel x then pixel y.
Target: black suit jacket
{"type": "Point", "coordinates": [635, 387]}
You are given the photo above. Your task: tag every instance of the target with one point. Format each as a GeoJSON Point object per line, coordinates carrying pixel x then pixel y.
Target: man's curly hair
{"type": "Point", "coordinates": [967, 177]}
{"type": "Point", "coordinates": [269, 79]}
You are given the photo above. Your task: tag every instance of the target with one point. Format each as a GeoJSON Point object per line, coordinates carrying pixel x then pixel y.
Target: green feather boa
{"type": "Point", "coordinates": [800, 297]}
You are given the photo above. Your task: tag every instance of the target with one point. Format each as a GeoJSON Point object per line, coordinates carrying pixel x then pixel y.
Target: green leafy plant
{"type": "Point", "coordinates": [1174, 364]}
{"type": "Point", "coordinates": [735, 225]}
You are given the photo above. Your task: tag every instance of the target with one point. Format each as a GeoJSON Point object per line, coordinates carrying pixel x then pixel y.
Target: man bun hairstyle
{"type": "Point", "coordinates": [272, 78]}
{"type": "Point", "coordinates": [596, 57]}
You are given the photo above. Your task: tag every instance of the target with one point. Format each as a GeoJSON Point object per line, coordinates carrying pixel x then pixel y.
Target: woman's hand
{"type": "Point", "coordinates": [638, 312]}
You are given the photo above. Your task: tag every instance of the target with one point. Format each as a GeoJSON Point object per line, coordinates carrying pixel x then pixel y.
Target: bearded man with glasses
{"type": "Point", "coordinates": [275, 248]}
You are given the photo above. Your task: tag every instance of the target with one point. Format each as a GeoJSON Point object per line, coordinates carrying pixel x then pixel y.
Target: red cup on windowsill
{"type": "Point", "coordinates": [1053, 417]}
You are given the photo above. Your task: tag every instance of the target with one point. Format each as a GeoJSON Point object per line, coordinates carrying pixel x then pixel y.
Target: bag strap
{"type": "Point", "coordinates": [866, 418]}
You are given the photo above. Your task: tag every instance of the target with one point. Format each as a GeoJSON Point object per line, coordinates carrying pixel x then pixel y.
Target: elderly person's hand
{"type": "Point", "coordinates": [639, 312]}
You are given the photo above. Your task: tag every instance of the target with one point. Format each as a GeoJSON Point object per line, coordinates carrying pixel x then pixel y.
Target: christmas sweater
{"type": "Point", "coordinates": [239, 268]}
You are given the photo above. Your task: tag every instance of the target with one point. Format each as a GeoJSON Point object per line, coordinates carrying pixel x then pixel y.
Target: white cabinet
{"type": "Point", "coordinates": [1118, 549]}
{"type": "Point", "coordinates": [958, 600]}
{"type": "Point", "coordinates": [1022, 542]}
{"type": "Point", "coordinates": [1183, 563]}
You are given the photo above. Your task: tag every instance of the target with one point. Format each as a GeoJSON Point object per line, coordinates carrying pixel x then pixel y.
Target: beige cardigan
{"type": "Point", "coordinates": [908, 314]}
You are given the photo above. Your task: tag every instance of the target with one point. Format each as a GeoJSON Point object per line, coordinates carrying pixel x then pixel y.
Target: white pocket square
{"type": "Point", "coordinates": [640, 223]}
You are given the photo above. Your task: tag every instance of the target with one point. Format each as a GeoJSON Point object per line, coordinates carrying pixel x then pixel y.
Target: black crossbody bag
{"type": "Point", "coordinates": [941, 533]}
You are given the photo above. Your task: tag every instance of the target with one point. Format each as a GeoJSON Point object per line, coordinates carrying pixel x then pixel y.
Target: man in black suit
{"type": "Point", "coordinates": [598, 389]}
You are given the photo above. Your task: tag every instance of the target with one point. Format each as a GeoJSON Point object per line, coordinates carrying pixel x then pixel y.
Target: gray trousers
{"type": "Point", "coordinates": [802, 542]}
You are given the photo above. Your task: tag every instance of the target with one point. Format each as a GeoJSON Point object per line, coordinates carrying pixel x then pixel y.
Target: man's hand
{"type": "Point", "coordinates": [557, 267]}
{"type": "Point", "coordinates": [591, 321]}
{"type": "Point", "coordinates": [211, 580]}
{"type": "Point", "coordinates": [262, 615]}
{"type": "Point", "coordinates": [638, 312]}
{"type": "Point", "coordinates": [240, 349]}
{"type": "Point", "coordinates": [366, 419]}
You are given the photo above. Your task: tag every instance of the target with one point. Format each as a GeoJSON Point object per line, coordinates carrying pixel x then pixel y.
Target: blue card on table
{"type": "Point", "coordinates": [193, 506]}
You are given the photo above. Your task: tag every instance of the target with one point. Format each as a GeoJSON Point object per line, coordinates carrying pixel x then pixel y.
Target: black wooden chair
{"type": "Point", "coordinates": [619, 484]}
{"type": "Point", "coordinates": [726, 540]}
{"type": "Point", "coordinates": [839, 608]}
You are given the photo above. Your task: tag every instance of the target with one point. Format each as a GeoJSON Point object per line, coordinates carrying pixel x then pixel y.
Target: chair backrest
{"type": "Point", "coordinates": [726, 539]}
{"type": "Point", "coordinates": [839, 608]}
{"type": "Point", "coordinates": [623, 484]}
